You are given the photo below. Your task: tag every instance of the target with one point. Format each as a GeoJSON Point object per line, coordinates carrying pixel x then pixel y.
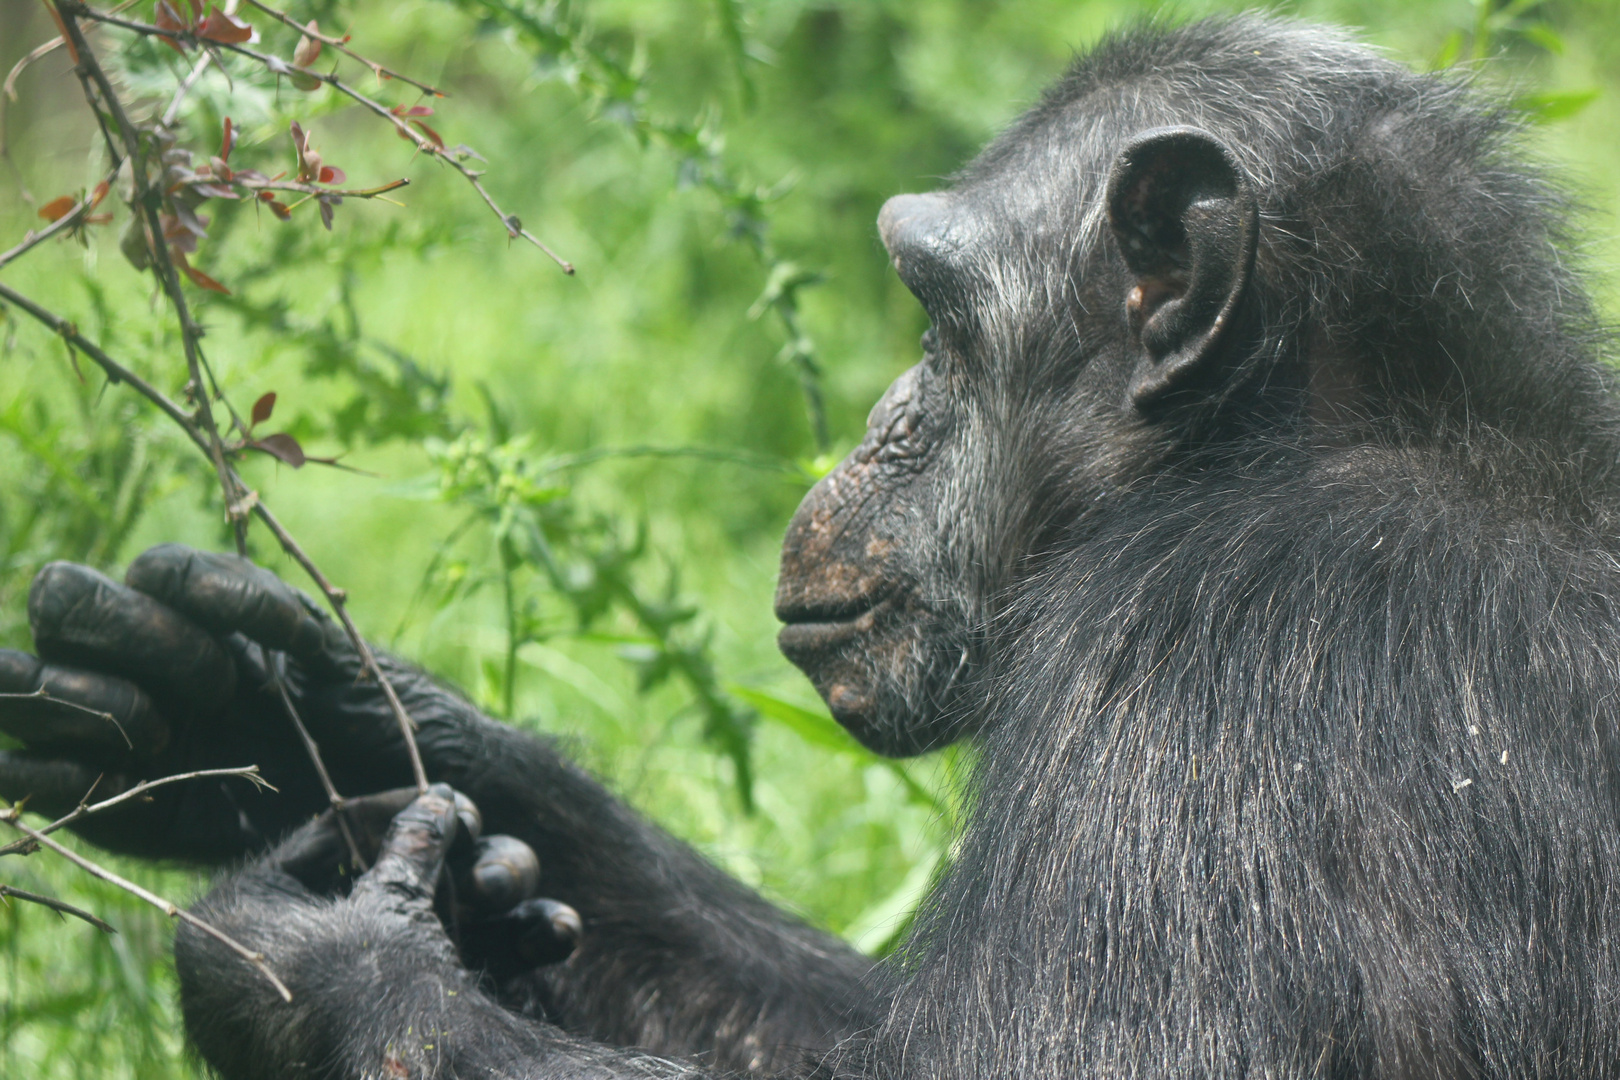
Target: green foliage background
{"type": "Point", "coordinates": [713, 167]}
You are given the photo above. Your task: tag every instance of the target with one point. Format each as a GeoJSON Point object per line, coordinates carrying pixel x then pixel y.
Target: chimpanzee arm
{"type": "Point", "coordinates": [676, 955]}
{"type": "Point", "coordinates": [377, 990]}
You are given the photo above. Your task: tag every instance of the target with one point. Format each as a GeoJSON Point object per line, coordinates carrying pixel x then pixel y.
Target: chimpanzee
{"type": "Point", "coordinates": [1253, 508]}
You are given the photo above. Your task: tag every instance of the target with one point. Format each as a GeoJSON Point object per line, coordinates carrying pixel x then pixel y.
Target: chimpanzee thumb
{"type": "Point", "coordinates": [412, 855]}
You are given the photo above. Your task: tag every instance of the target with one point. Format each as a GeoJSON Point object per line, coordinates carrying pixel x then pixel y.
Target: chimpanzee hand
{"type": "Point", "coordinates": [173, 673]}
{"type": "Point", "coordinates": [373, 974]}
{"type": "Point", "coordinates": [488, 897]}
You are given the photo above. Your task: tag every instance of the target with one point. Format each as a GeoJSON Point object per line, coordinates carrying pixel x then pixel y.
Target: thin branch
{"type": "Point", "coordinates": [313, 189]}
{"type": "Point", "coordinates": [340, 44]}
{"type": "Point", "coordinates": [8, 91]}
{"type": "Point", "coordinates": [336, 598]}
{"type": "Point", "coordinates": [11, 817]}
{"type": "Point", "coordinates": [239, 501]}
{"type": "Point", "coordinates": [60, 906]}
{"type": "Point", "coordinates": [42, 695]}
{"type": "Point", "coordinates": [61, 225]}
{"type": "Point", "coordinates": [172, 113]}
{"type": "Point", "coordinates": [272, 661]}
{"type": "Point", "coordinates": [83, 810]}
{"type": "Point", "coordinates": [511, 222]}
{"type": "Point", "coordinates": [116, 372]}
{"type": "Point", "coordinates": [147, 201]}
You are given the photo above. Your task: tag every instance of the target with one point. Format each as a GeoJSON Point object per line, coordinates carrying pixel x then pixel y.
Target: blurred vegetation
{"type": "Point", "coordinates": [577, 486]}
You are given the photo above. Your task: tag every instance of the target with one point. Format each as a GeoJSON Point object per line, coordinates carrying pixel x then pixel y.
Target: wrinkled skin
{"type": "Point", "coordinates": [1253, 507]}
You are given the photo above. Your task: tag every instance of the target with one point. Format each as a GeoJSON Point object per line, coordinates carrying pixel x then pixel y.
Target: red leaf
{"type": "Point", "coordinates": [418, 110]}
{"type": "Point", "coordinates": [58, 208]}
{"type": "Point", "coordinates": [99, 194]}
{"type": "Point", "coordinates": [283, 448]}
{"type": "Point", "coordinates": [281, 210]}
{"type": "Point", "coordinates": [198, 278]}
{"type": "Point", "coordinates": [433, 136]}
{"type": "Point", "coordinates": [267, 196]}
{"type": "Point", "coordinates": [227, 142]}
{"type": "Point", "coordinates": [309, 48]}
{"type": "Point", "coordinates": [263, 408]}
{"type": "Point", "coordinates": [167, 18]}
{"type": "Point", "coordinates": [225, 29]}
{"type": "Point", "coordinates": [331, 174]}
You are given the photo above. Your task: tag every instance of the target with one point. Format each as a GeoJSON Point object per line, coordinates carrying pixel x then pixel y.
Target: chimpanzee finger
{"type": "Point", "coordinates": [62, 709]}
{"type": "Point", "coordinates": [228, 594]}
{"type": "Point", "coordinates": [533, 934]}
{"type": "Point", "coordinates": [86, 619]}
{"type": "Point", "coordinates": [503, 873]}
{"type": "Point", "coordinates": [52, 787]}
{"type": "Point", "coordinates": [321, 857]}
{"type": "Point", "coordinates": [412, 854]}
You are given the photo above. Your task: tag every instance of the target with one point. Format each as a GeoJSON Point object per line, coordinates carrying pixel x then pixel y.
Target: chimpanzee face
{"type": "Point", "coordinates": [1051, 347]}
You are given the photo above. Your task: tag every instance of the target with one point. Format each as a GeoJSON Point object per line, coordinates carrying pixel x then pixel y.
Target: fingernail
{"type": "Point", "coordinates": [507, 871]}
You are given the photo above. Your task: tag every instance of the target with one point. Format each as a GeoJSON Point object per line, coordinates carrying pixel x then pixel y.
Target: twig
{"type": "Point", "coordinates": [336, 598]}
{"type": "Point", "coordinates": [172, 113]}
{"type": "Point", "coordinates": [238, 501]}
{"type": "Point", "coordinates": [340, 45]}
{"type": "Point", "coordinates": [8, 91]}
{"type": "Point", "coordinates": [511, 222]}
{"type": "Point", "coordinates": [246, 772]}
{"type": "Point", "coordinates": [11, 817]}
{"type": "Point", "coordinates": [56, 905]}
{"type": "Point", "coordinates": [60, 225]}
{"type": "Point", "coordinates": [314, 189]}
{"type": "Point", "coordinates": [147, 201]}
{"type": "Point", "coordinates": [272, 661]}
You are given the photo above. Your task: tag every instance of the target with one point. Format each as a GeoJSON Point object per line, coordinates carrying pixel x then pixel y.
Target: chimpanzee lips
{"type": "Point", "coordinates": [848, 655]}
{"type": "Point", "coordinates": [812, 630]}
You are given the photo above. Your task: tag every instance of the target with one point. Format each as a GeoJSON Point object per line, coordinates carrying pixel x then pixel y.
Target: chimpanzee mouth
{"type": "Point", "coordinates": [810, 631]}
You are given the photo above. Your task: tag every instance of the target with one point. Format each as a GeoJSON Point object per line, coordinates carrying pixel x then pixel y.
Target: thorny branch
{"type": "Point", "coordinates": [85, 809]}
{"type": "Point", "coordinates": [147, 202]}
{"type": "Point", "coordinates": [511, 222]}
{"type": "Point", "coordinates": [341, 45]}
{"type": "Point", "coordinates": [12, 817]}
{"type": "Point", "coordinates": [237, 497]}
{"type": "Point", "coordinates": [125, 144]}
{"type": "Point", "coordinates": [335, 596]}
{"type": "Point", "coordinates": [56, 905]}
{"type": "Point", "coordinates": [63, 224]}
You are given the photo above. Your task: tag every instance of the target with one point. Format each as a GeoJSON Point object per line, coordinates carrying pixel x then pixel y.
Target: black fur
{"type": "Point", "coordinates": [1296, 691]}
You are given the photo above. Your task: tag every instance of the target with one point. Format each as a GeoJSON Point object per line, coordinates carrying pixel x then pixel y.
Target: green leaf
{"type": "Point", "coordinates": [1450, 51]}
{"type": "Point", "coordinates": [1545, 36]}
{"type": "Point", "coordinates": [815, 728]}
{"type": "Point", "coordinates": [1546, 108]}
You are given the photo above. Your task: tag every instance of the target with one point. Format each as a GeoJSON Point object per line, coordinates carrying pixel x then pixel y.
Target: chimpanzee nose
{"type": "Point", "coordinates": [908, 223]}
{"type": "Point", "coordinates": [926, 236]}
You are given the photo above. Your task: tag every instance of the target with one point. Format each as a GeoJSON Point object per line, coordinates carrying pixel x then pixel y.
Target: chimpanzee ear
{"type": "Point", "coordinates": [1185, 218]}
